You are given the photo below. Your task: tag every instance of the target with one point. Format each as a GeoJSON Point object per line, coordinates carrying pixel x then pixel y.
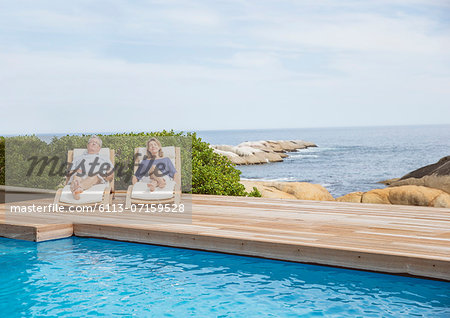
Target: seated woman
{"type": "Point", "coordinates": [155, 168]}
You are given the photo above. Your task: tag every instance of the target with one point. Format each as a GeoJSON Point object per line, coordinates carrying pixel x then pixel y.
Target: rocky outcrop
{"type": "Point", "coordinates": [436, 175]}
{"type": "Point", "coordinates": [388, 181]}
{"type": "Point", "coordinates": [289, 190]}
{"type": "Point", "coordinates": [354, 197]}
{"type": "Point", "coordinates": [403, 195]}
{"type": "Point", "coordinates": [257, 152]}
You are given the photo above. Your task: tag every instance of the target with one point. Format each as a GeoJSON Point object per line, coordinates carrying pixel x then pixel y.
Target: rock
{"type": "Point", "coordinates": [289, 190]}
{"type": "Point", "coordinates": [274, 157]}
{"type": "Point", "coordinates": [305, 191]}
{"type": "Point", "coordinates": [266, 190]}
{"type": "Point", "coordinates": [354, 197]}
{"type": "Point", "coordinates": [234, 158]}
{"type": "Point", "coordinates": [442, 201]}
{"type": "Point", "coordinates": [254, 159]}
{"type": "Point", "coordinates": [275, 145]}
{"type": "Point", "coordinates": [244, 151]}
{"type": "Point", "coordinates": [263, 151]}
{"type": "Point", "coordinates": [388, 181]}
{"type": "Point", "coordinates": [378, 196]}
{"type": "Point", "coordinates": [403, 195]}
{"type": "Point", "coordinates": [436, 175]}
{"type": "Point", "coordinates": [407, 195]}
{"type": "Point", "coordinates": [413, 195]}
{"type": "Point", "coordinates": [223, 148]}
{"type": "Point", "coordinates": [433, 181]}
{"type": "Point", "coordinates": [263, 145]}
{"type": "Point", "coordinates": [308, 144]}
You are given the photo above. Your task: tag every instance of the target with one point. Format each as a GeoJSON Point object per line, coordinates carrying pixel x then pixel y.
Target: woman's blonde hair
{"type": "Point", "coordinates": [149, 154]}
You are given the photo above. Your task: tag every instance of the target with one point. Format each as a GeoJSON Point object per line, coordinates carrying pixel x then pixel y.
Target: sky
{"type": "Point", "coordinates": [135, 65]}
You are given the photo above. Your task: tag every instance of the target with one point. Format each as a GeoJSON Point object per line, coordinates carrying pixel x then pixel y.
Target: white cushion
{"type": "Point", "coordinates": [142, 192]}
{"type": "Point", "coordinates": [104, 152]}
{"type": "Point", "coordinates": [92, 195]}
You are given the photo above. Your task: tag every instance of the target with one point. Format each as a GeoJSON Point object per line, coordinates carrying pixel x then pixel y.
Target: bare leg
{"type": "Point", "coordinates": [75, 187]}
{"type": "Point", "coordinates": [89, 182]}
{"type": "Point", "coordinates": [160, 182]}
{"type": "Point", "coordinates": [78, 185]}
{"type": "Point", "coordinates": [152, 185]}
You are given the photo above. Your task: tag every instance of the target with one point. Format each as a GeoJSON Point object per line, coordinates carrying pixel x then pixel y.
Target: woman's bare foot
{"type": "Point", "coordinates": [151, 187]}
{"type": "Point", "coordinates": [161, 183]}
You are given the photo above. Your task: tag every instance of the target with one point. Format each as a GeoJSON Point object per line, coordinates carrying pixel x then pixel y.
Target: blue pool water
{"type": "Point", "coordinates": [77, 277]}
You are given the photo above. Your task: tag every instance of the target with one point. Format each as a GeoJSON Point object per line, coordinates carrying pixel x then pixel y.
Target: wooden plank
{"type": "Point", "coordinates": [416, 266]}
{"type": "Point", "coordinates": [387, 238]}
{"type": "Point", "coordinates": [18, 231]}
{"type": "Point", "coordinates": [53, 232]}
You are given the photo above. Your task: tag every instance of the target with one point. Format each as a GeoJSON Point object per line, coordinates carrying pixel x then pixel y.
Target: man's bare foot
{"type": "Point", "coordinates": [76, 193]}
{"type": "Point", "coordinates": [74, 185]}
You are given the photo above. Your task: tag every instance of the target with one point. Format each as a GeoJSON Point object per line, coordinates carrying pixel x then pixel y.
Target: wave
{"type": "Point", "coordinates": [302, 156]}
{"type": "Point", "coordinates": [314, 149]}
{"type": "Point", "coordinates": [271, 180]}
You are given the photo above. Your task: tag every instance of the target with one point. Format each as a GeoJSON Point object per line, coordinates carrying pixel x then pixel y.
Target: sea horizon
{"type": "Point", "coordinates": [347, 159]}
{"type": "Point", "coordinates": [214, 130]}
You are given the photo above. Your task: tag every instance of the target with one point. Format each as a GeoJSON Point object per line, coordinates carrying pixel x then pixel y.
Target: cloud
{"type": "Point", "coordinates": [119, 65]}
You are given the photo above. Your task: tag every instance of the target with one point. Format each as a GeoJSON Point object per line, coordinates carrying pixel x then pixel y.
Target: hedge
{"type": "Point", "coordinates": [204, 173]}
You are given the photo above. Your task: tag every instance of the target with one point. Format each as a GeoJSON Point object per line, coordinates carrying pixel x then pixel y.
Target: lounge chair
{"type": "Point", "coordinates": [97, 194]}
{"type": "Point", "coordinates": [139, 193]}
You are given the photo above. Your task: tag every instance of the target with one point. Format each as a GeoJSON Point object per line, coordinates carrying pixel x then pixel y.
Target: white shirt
{"type": "Point", "coordinates": [91, 164]}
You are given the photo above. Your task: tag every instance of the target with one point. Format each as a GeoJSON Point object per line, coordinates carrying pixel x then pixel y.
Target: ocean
{"type": "Point", "coordinates": [346, 159]}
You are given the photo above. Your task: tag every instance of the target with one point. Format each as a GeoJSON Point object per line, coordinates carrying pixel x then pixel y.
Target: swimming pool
{"type": "Point", "coordinates": [77, 276]}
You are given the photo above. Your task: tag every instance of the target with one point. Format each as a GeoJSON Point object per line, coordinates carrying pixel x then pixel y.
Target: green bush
{"type": "Point", "coordinates": [213, 173]}
{"type": "Point", "coordinates": [255, 193]}
{"type": "Point", "coordinates": [203, 171]}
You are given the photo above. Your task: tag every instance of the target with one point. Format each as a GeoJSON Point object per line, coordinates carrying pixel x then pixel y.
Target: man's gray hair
{"type": "Point", "coordinates": [97, 138]}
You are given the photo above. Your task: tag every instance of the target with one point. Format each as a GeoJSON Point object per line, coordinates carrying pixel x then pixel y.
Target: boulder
{"type": "Point", "coordinates": [223, 147]}
{"type": "Point", "coordinates": [407, 195]}
{"type": "Point", "coordinates": [234, 158]}
{"type": "Point", "coordinates": [436, 175]}
{"type": "Point", "coordinates": [263, 145]}
{"type": "Point", "coordinates": [273, 156]}
{"type": "Point", "coordinates": [266, 190]}
{"type": "Point", "coordinates": [442, 201]}
{"type": "Point", "coordinates": [257, 152]}
{"type": "Point", "coordinates": [354, 197]}
{"type": "Point", "coordinates": [255, 159]}
{"type": "Point", "coordinates": [305, 190]}
{"type": "Point", "coordinates": [275, 145]}
{"type": "Point", "coordinates": [413, 195]}
{"type": "Point", "coordinates": [388, 181]}
{"type": "Point", "coordinates": [308, 144]}
{"type": "Point", "coordinates": [289, 190]}
{"type": "Point", "coordinates": [378, 196]}
{"type": "Point", "coordinates": [245, 150]}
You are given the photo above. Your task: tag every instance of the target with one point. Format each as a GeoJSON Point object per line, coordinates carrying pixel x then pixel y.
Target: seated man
{"type": "Point", "coordinates": [90, 168]}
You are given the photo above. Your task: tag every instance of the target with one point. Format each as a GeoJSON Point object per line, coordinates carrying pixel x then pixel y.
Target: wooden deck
{"type": "Point", "coordinates": [385, 238]}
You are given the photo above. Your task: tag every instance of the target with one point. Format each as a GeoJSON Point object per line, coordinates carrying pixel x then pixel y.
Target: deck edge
{"type": "Point", "coordinates": [393, 264]}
